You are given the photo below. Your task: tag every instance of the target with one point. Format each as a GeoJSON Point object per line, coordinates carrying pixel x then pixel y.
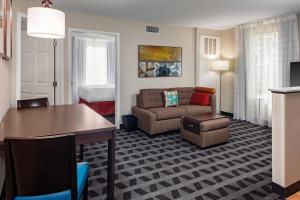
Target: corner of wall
{"type": "Point", "coordinates": [5, 85]}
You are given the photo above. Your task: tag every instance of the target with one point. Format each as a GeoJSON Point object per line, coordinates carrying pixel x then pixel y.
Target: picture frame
{"type": "Point", "coordinates": [159, 61]}
{"type": "Point", "coordinates": [7, 25]}
{"type": "Point", "coordinates": [2, 27]}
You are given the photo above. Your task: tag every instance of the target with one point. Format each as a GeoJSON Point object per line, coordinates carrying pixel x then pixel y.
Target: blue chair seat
{"type": "Point", "coordinates": [82, 175]}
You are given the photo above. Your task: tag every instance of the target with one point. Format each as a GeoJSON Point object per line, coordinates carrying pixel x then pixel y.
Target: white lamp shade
{"type": "Point", "coordinates": [220, 65]}
{"type": "Point", "coordinates": [45, 22]}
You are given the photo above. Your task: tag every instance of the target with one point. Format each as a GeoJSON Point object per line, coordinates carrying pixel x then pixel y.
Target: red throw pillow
{"type": "Point", "coordinates": [199, 98]}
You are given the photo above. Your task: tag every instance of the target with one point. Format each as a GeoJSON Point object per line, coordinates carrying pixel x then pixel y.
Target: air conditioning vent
{"type": "Point", "coordinates": [152, 29]}
{"type": "Point", "coordinates": [211, 45]}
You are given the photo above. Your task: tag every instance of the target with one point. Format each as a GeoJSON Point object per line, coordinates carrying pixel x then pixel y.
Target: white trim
{"type": "Point", "coordinates": [70, 66]}
{"type": "Point", "coordinates": [93, 36]}
{"type": "Point", "coordinates": [197, 57]}
{"type": "Point", "coordinates": [18, 56]}
{"type": "Point", "coordinates": [118, 86]}
{"type": "Point", "coordinates": [59, 64]}
{"type": "Point", "coordinates": [71, 32]}
{"type": "Point", "coordinates": [60, 68]}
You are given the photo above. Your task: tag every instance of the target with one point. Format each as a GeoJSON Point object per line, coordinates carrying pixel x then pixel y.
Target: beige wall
{"type": "Point", "coordinates": [228, 53]}
{"type": "Point", "coordinates": [4, 86]}
{"type": "Point", "coordinates": [210, 78]}
{"type": "Point", "coordinates": [206, 76]}
{"type": "Point", "coordinates": [131, 35]}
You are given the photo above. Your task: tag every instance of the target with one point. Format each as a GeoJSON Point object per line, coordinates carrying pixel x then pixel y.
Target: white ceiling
{"type": "Point", "coordinates": [214, 14]}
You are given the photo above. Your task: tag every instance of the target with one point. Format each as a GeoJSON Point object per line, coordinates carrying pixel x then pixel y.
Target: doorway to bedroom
{"type": "Point", "coordinates": [94, 71]}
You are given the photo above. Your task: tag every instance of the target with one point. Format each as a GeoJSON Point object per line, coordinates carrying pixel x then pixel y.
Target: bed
{"type": "Point", "coordinates": [100, 98]}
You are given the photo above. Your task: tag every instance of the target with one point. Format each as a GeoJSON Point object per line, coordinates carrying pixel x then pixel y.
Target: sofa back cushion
{"type": "Point", "coordinates": [151, 98]}
{"type": "Point", "coordinates": [185, 94]}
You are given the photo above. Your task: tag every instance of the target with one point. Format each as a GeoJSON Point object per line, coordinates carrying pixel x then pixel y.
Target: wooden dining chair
{"type": "Point", "coordinates": [44, 169]}
{"type": "Point", "coordinates": [33, 103]}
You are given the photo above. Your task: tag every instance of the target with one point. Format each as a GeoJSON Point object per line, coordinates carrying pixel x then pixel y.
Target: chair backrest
{"type": "Point", "coordinates": [39, 166]}
{"type": "Point", "coordinates": [33, 103]}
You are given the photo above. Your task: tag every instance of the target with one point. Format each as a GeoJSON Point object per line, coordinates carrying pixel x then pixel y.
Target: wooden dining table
{"type": "Point", "coordinates": [87, 126]}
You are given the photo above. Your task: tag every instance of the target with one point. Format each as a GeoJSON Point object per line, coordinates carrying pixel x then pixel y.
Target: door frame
{"type": "Point", "coordinates": [71, 31]}
{"type": "Point", "coordinates": [59, 63]}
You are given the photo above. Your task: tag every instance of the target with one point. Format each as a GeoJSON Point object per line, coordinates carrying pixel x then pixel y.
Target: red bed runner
{"type": "Point", "coordinates": [104, 108]}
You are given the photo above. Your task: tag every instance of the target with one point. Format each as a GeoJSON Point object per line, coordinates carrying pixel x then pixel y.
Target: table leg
{"type": "Point", "coordinates": [111, 168]}
{"type": "Point", "coordinates": [1, 153]}
{"type": "Point", "coordinates": [81, 152]}
{"type": "Point", "coordinates": [2, 195]}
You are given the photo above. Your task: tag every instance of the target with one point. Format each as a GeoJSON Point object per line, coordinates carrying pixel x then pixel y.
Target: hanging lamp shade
{"type": "Point", "coordinates": [44, 22]}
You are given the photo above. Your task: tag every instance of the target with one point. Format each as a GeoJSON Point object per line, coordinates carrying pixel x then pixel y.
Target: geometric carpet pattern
{"type": "Point", "coordinates": [166, 167]}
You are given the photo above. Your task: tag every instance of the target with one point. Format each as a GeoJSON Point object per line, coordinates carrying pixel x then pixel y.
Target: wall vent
{"type": "Point", "coordinates": [210, 45]}
{"type": "Point", "coordinates": [152, 29]}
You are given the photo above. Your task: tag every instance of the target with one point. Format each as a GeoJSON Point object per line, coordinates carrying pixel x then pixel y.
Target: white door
{"type": "Point", "coordinates": [36, 68]}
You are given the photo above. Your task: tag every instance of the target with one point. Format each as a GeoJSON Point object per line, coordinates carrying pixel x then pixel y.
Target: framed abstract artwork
{"type": "Point", "coordinates": [159, 61]}
{"type": "Point", "coordinates": [7, 29]}
{"type": "Point", "coordinates": [2, 28]}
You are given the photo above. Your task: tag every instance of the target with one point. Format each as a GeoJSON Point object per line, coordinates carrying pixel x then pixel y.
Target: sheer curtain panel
{"type": "Point", "coordinates": [78, 66]}
{"type": "Point", "coordinates": [111, 61]}
{"type": "Point", "coordinates": [265, 50]}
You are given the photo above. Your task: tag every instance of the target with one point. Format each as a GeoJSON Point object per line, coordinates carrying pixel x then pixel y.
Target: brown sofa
{"type": "Point", "coordinates": [154, 118]}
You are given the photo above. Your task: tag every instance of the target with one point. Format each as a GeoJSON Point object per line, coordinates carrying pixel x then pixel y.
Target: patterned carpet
{"type": "Point", "coordinates": [166, 167]}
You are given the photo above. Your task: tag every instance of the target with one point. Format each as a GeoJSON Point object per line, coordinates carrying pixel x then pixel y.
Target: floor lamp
{"type": "Point", "coordinates": [220, 66]}
{"type": "Point", "coordinates": [46, 22]}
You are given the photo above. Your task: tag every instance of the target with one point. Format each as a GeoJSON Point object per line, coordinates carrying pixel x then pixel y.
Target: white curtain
{"type": "Point", "coordinates": [265, 50]}
{"type": "Point", "coordinates": [96, 62]}
{"type": "Point", "coordinates": [78, 66]}
{"type": "Point", "coordinates": [111, 61]}
{"type": "Point", "coordinates": [101, 60]}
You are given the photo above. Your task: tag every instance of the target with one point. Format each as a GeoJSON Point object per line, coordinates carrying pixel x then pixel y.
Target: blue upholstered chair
{"type": "Point", "coordinates": [44, 169]}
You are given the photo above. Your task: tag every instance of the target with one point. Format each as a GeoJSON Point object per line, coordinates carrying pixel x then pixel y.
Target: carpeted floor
{"type": "Point", "coordinates": [166, 167]}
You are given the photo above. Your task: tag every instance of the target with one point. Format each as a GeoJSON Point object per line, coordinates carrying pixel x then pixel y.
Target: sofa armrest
{"type": "Point", "coordinates": [212, 101]}
{"type": "Point", "coordinates": [145, 118]}
{"type": "Point", "coordinates": [208, 90]}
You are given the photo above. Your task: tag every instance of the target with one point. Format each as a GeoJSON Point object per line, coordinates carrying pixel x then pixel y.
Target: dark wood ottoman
{"type": "Point", "coordinates": [205, 130]}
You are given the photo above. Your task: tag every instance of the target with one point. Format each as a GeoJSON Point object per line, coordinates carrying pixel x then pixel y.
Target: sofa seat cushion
{"type": "Point", "coordinates": [167, 112]}
{"type": "Point", "coordinates": [196, 109]}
